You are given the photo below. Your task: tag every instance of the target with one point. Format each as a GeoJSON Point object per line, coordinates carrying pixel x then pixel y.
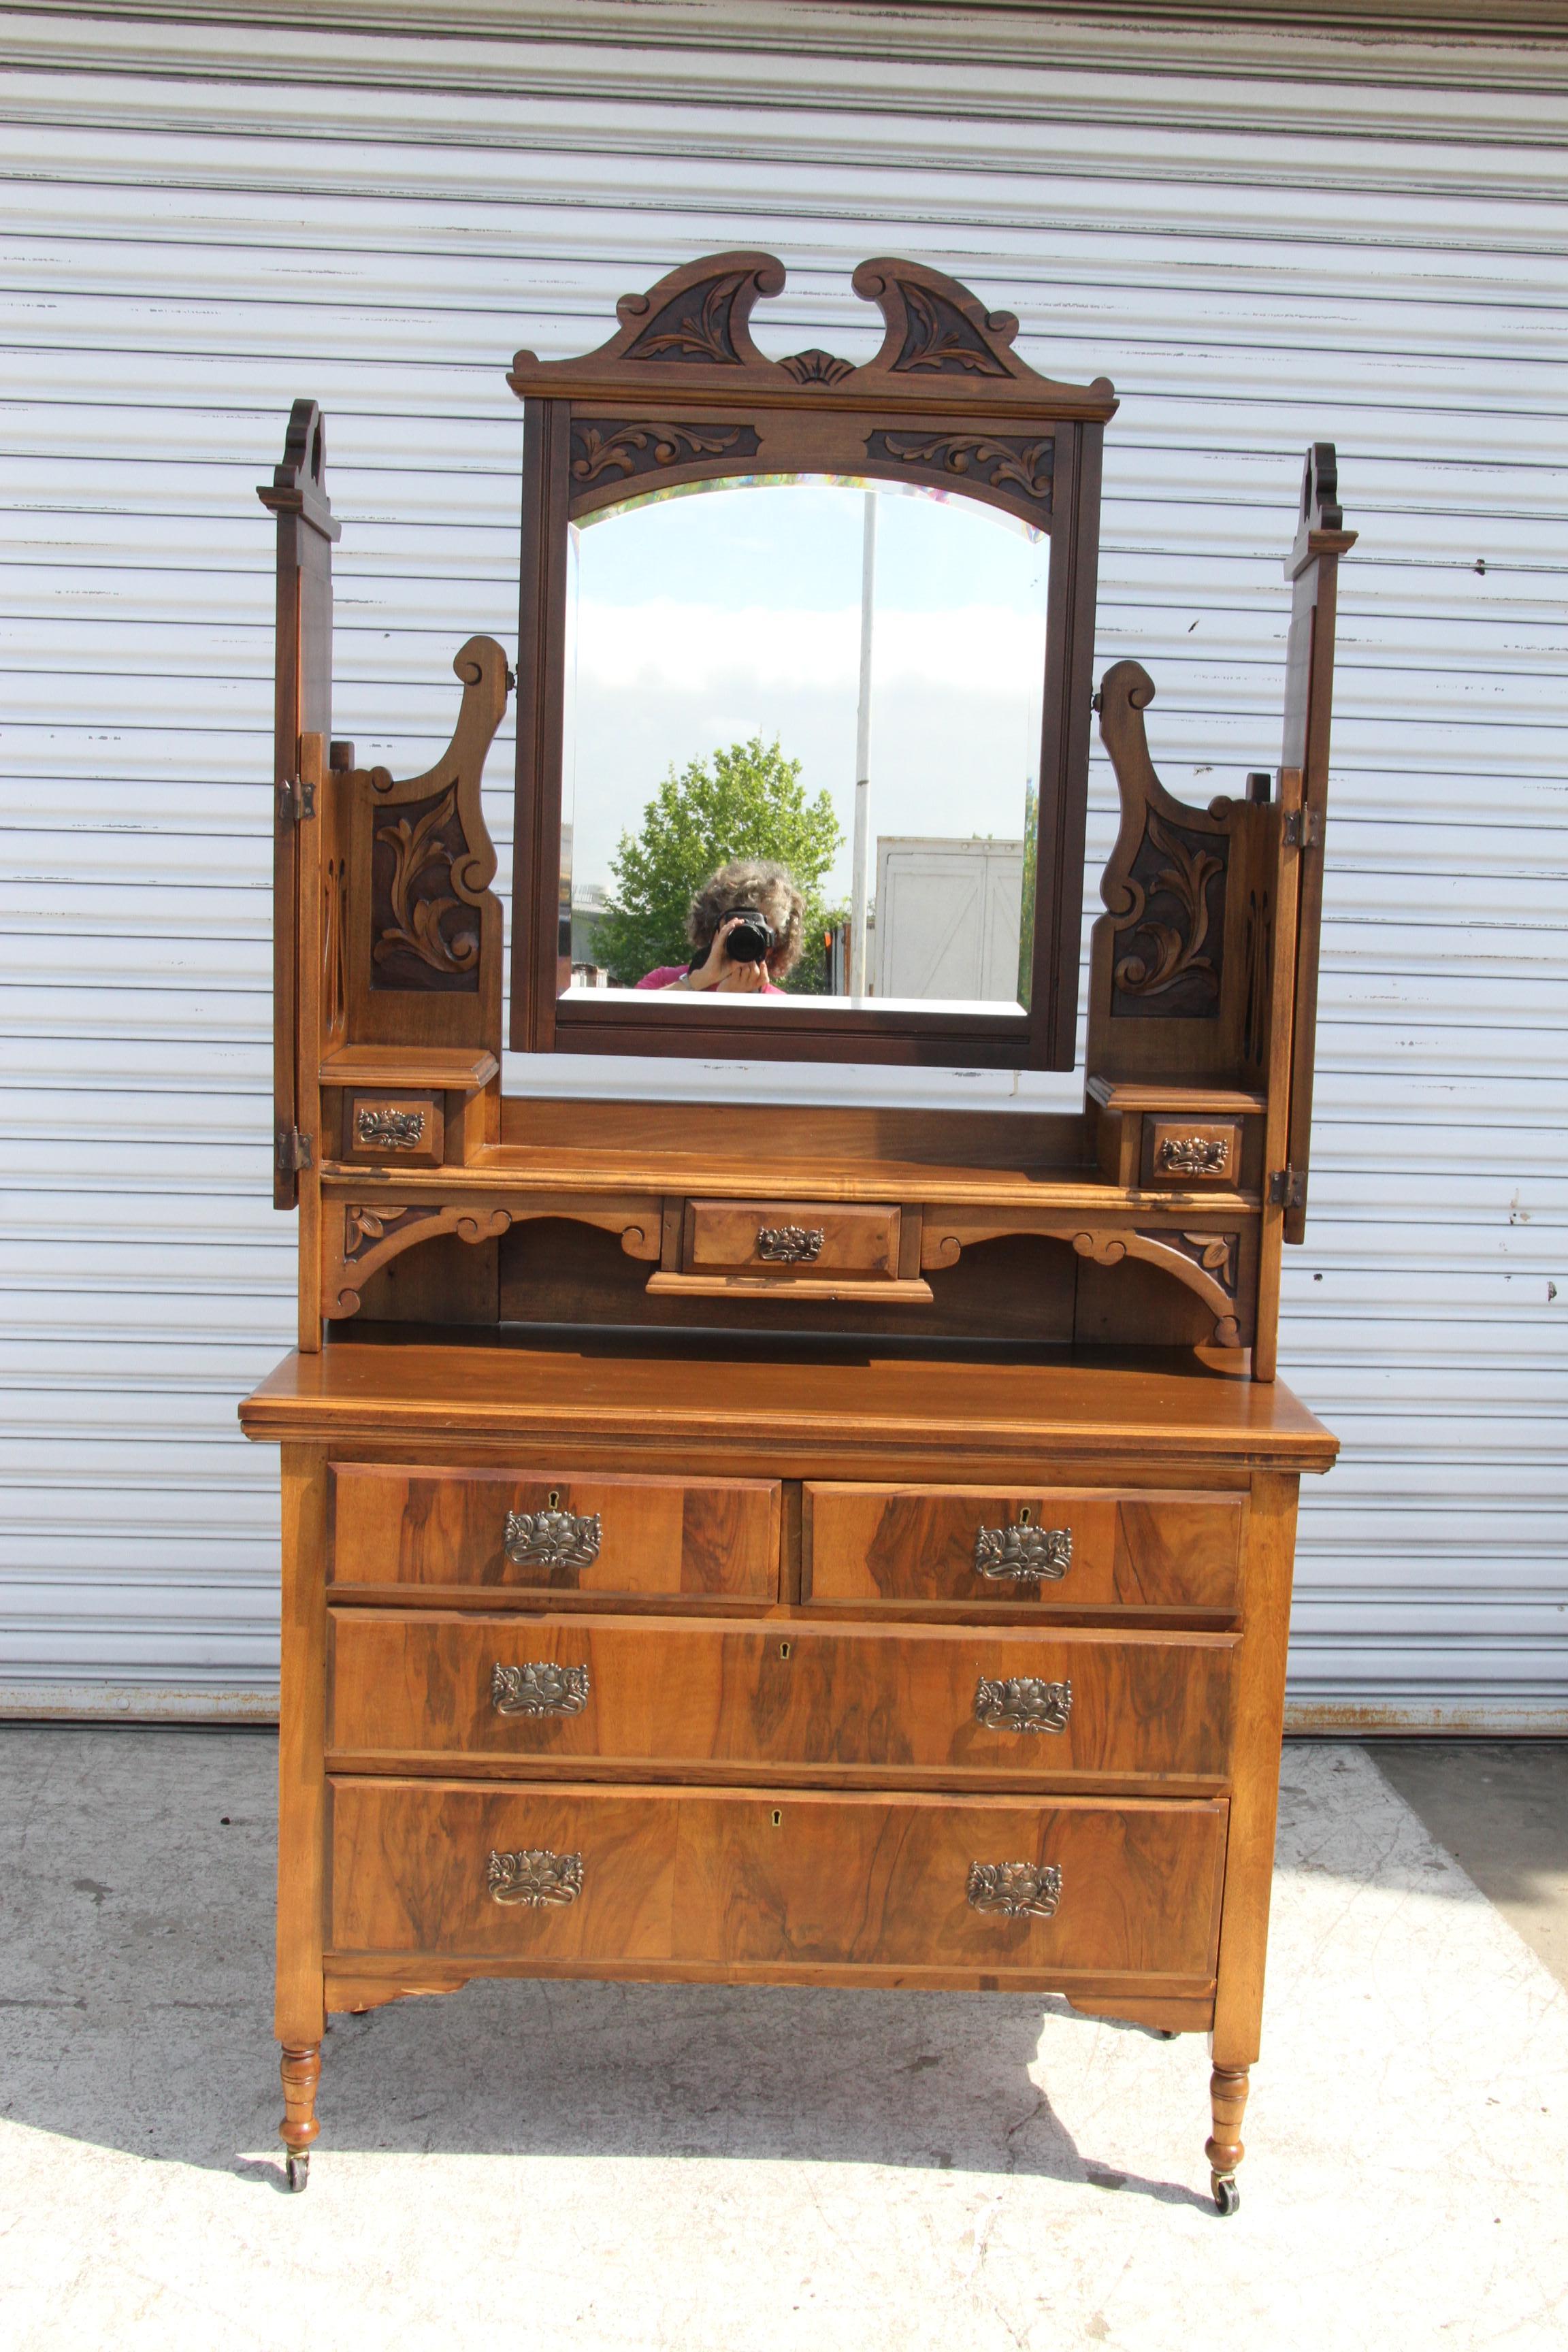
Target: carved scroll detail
{"type": "Point", "coordinates": [369, 1236]}
{"type": "Point", "coordinates": [1206, 1263]}
{"type": "Point", "coordinates": [816, 366]}
{"type": "Point", "coordinates": [939, 339]}
{"type": "Point", "coordinates": [704, 321]}
{"type": "Point", "coordinates": [600, 446]}
{"type": "Point", "coordinates": [1018, 466]}
{"type": "Point", "coordinates": [1166, 953]}
{"type": "Point", "coordinates": [372, 1238]}
{"type": "Point", "coordinates": [422, 851]}
{"type": "Point", "coordinates": [434, 861]}
{"type": "Point", "coordinates": [1165, 882]}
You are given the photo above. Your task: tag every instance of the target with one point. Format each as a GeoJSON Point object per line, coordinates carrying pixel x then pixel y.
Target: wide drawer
{"type": "Point", "coordinates": [596, 1535]}
{"type": "Point", "coordinates": [418, 1687]}
{"type": "Point", "coordinates": [1087, 1548]}
{"type": "Point", "coordinates": [554, 1873]}
{"type": "Point", "coordinates": [782, 1237]}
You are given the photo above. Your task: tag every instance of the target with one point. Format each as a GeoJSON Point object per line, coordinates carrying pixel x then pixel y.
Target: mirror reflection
{"type": "Point", "coordinates": [802, 731]}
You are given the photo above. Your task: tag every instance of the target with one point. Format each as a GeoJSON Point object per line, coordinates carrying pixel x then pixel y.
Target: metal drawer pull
{"type": "Point", "coordinates": [1019, 1890]}
{"type": "Point", "coordinates": [1022, 1702]}
{"type": "Point", "coordinates": [394, 1130]}
{"type": "Point", "coordinates": [552, 1538]}
{"type": "Point", "coordinates": [1195, 1155]}
{"type": "Point", "coordinates": [790, 1245]}
{"type": "Point", "coordinates": [534, 1877]}
{"type": "Point", "coordinates": [1021, 1554]}
{"type": "Point", "coordinates": [540, 1687]}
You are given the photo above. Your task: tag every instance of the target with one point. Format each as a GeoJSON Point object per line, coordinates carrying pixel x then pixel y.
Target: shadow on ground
{"type": "Point", "coordinates": [135, 2013]}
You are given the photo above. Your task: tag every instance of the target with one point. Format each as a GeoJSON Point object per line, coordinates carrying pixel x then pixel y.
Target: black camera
{"type": "Point", "coordinates": [752, 941]}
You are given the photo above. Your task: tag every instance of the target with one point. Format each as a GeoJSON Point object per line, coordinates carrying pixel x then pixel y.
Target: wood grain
{"type": "Point", "coordinates": [302, 1774]}
{"type": "Point", "coordinates": [1171, 1550]}
{"type": "Point", "coordinates": [416, 1688]}
{"type": "Point", "coordinates": [732, 1876]}
{"type": "Point", "coordinates": [656, 1535]}
{"type": "Point", "coordinates": [773, 1414]}
{"type": "Point", "coordinates": [722, 1235]}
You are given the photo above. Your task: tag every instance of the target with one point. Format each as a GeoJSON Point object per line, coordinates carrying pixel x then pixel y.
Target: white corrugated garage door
{"type": "Point", "coordinates": [188, 244]}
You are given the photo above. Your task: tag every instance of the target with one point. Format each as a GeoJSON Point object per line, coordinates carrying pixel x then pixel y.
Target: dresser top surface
{"type": "Point", "coordinates": [1150, 1407]}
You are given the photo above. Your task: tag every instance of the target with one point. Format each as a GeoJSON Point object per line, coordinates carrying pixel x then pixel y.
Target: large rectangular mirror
{"type": "Point", "coordinates": [801, 746]}
{"type": "Point", "coordinates": [803, 685]}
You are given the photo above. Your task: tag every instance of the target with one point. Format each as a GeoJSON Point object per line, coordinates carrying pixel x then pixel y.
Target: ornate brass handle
{"type": "Point", "coordinates": [394, 1130]}
{"type": "Point", "coordinates": [1019, 1890]}
{"type": "Point", "coordinates": [1021, 1554]}
{"type": "Point", "coordinates": [540, 1687]}
{"type": "Point", "coordinates": [790, 1245]}
{"type": "Point", "coordinates": [1022, 1702]}
{"type": "Point", "coordinates": [552, 1538]}
{"type": "Point", "coordinates": [534, 1877]}
{"type": "Point", "coordinates": [1195, 1155]}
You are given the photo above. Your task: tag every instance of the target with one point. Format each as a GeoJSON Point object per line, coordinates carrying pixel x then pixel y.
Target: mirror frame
{"type": "Point", "coordinates": [680, 394]}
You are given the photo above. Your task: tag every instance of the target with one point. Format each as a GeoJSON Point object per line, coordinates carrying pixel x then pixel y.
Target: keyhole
{"type": "Point", "coordinates": [784, 1649]}
{"type": "Point", "coordinates": [1023, 1516]}
{"type": "Point", "coordinates": [553, 1498]}
{"type": "Point", "coordinates": [778, 1817]}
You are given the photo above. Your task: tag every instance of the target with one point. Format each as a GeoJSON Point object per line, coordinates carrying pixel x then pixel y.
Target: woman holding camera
{"type": "Point", "coordinates": [745, 929]}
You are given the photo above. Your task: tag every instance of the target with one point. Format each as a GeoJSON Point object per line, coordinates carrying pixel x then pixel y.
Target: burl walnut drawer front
{"type": "Point", "coordinates": [785, 1236]}
{"type": "Point", "coordinates": [416, 1687]}
{"type": "Point", "coordinates": [553, 1874]}
{"type": "Point", "coordinates": [594, 1535]}
{"type": "Point", "coordinates": [1082, 1547]}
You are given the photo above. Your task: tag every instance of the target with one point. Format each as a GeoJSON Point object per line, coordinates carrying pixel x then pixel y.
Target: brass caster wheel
{"type": "Point", "coordinates": [1226, 2195]}
{"type": "Point", "coordinates": [298, 2169]}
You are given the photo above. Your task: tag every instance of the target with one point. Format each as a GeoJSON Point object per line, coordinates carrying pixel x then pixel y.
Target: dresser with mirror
{"type": "Point", "coordinates": [797, 1540]}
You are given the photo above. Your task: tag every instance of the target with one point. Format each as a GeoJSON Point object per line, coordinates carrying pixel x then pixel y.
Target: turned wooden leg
{"type": "Point", "coordinates": [1228, 2098]}
{"type": "Point", "coordinates": [301, 2071]}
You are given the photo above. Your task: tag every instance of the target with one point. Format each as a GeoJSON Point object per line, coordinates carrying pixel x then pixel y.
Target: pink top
{"type": "Point", "coordinates": [665, 973]}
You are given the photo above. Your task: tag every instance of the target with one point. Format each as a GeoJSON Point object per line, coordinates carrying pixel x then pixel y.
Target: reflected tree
{"type": "Point", "coordinates": [744, 802]}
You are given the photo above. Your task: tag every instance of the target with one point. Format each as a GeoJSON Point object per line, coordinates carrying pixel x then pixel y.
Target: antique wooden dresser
{"type": "Point", "coordinates": [776, 1543]}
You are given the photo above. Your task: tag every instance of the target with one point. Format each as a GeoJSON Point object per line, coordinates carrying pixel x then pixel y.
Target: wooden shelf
{"type": "Point", "coordinates": [1194, 1101]}
{"type": "Point", "coordinates": [458, 1068]}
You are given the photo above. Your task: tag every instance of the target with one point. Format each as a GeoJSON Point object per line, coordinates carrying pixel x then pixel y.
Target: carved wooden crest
{"type": "Point", "coordinates": [645, 407]}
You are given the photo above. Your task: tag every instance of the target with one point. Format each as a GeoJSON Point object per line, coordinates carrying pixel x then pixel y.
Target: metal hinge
{"type": "Point", "coordinates": [293, 1150]}
{"type": "Point", "coordinates": [1304, 829]}
{"type": "Point", "coordinates": [296, 802]}
{"type": "Point", "coordinates": [1287, 1187]}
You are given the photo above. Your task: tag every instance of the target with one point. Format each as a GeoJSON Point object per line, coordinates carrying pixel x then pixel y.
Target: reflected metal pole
{"type": "Point", "coordinates": [860, 893]}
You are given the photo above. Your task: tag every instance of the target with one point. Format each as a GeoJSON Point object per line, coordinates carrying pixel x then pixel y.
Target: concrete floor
{"type": "Point", "coordinates": [1501, 1807]}
{"type": "Point", "coordinates": [716, 2170]}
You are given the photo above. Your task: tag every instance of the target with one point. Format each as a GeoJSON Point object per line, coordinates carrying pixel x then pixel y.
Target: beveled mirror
{"type": "Point", "coordinates": [806, 649]}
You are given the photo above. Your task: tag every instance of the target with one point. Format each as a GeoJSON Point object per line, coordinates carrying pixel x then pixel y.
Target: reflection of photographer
{"type": "Point", "coordinates": [745, 927]}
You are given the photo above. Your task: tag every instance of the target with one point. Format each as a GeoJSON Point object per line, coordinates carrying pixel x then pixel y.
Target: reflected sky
{"type": "Point", "coordinates": [705, 620]}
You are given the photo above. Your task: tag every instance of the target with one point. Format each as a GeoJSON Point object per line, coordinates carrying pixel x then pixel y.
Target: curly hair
{"type": "Point", "coordinates": [751, 882]}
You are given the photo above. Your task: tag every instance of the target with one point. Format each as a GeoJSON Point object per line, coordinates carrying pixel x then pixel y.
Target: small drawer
{"type": "Point", "coordinates": [594, 1535]}
{"type": "Point", "coordinates": [790, 1237]}
{"type": "Point", "coordinates": [1083, 1548]}
{"type": "Point", "coordinates": [549, 1874]}
{"type": "Point", "coordinates": [406, 1128]}
{"type": "Point", "coordinates": [419, 1688]}
{"type": "Point", "coordinates": [1186, 1151]}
